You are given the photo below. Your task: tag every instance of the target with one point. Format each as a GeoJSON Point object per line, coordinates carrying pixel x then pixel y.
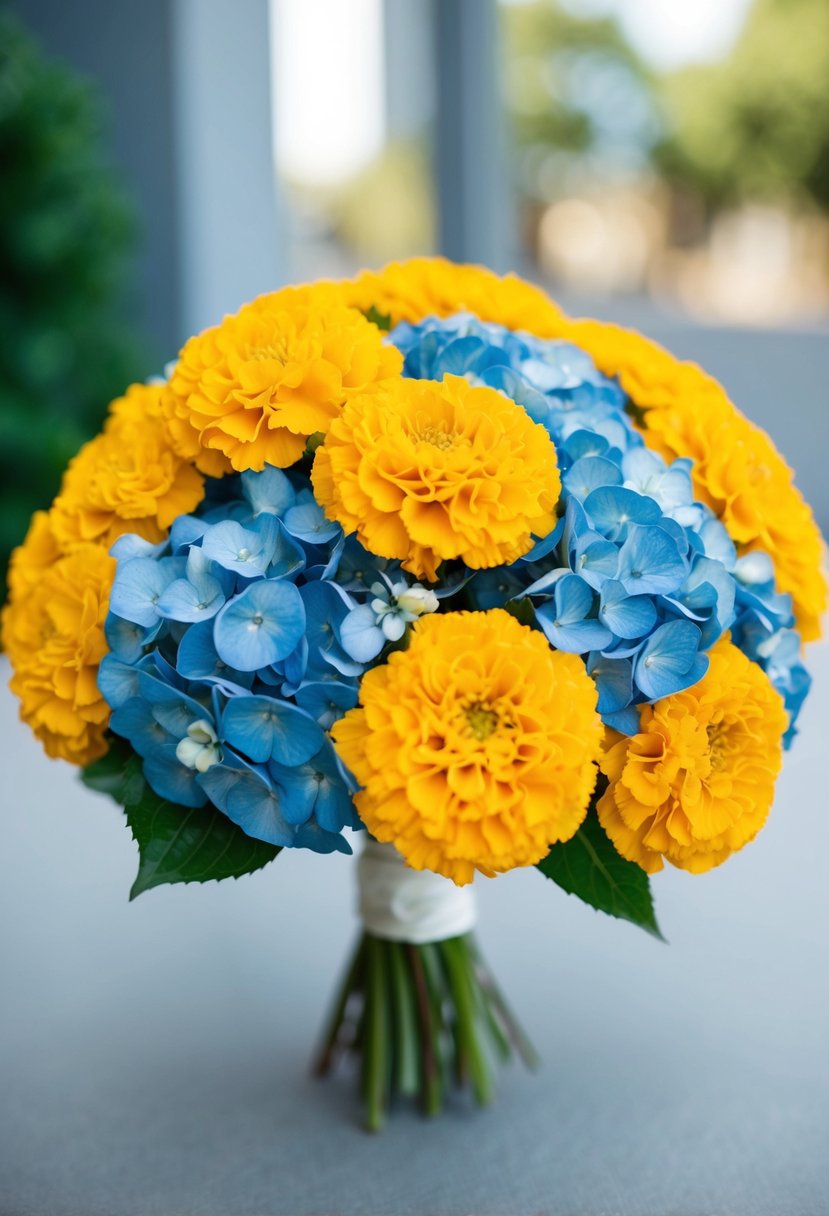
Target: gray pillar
{"type": "Point", "coordinates": [408, 68]}
{"type": "Point", "coordinates": [472, 187]}
{"type": "Point", "coordinates": [229, 234]}
{"type": "Point", "coordinates": [126, 51]}
{"type": "Point", "coordinates": [187, 83]}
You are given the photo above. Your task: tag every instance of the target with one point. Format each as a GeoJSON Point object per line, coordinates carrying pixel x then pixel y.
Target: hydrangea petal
{"type": "Point", "coordinates": [269, 492]}
{"type": "Point", "coordinates": [198, 659]}
{"type": "Point", "coordinates": [258, 811]}
{"type": "Point", "coordinates": [590, 473]}
{"type": "Point", "coordinates": [613, 508]}
{"type": "Point", "coordinates": [316, 789]}
{"type": "Point", "coordinates": [625, 721]}
{"type": "Point", "coordinates": [362, 638]}
{"type": "Point", "coordinates": [126, 639]}
{"type": "Point", "coordinates": [172, 780]}
{"type": "Point", "coordinates": [597, 560]}
{"type": "Point", "coordinates": [129, 545]}
{"type": "Point", "coordinates": [139, 584]}
{"type": "Point", "coordinates": [614, 680]}
{"type": "Point", "coordinates": [626, 616]}
{"type": "Point", "coordinates": [188, 601]}
{"type": "Point", "coordinates": [134, 720]}
{"type": "Point", "coordinates": [117, 680]}
{"type": "Point", "coordinates": [565, 622]}
{"type": "Point", "coordinates": [260, 626]}
{"type": "Point", "coordinates": [186, 531]}
{"type": "Point", "coordinates": [650, 562]}
{"type": "Point", "coordinates": [239, 549]}
{"type": "Point", "coordinates": [308, 522]}
{"type": "Point", "coordinates": [326, 700]}
{"type": "Point", "coordinates": [311, 836]}
{"type": "Point", "coordinates": [266, 729]}
{"type": "Point", "coordinates": [670, 660]}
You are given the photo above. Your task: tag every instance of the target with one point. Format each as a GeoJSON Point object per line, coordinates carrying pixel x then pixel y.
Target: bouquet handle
{"type": "Point", "coordinates": [422, 1015]}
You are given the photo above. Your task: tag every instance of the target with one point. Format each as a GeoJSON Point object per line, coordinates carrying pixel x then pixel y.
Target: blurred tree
{"type": "Point", "coordinates": [387, 210]}
{"type": "Point", "coordinates": [755, 127]}
{"type": "Point", "coordinates": [582, 101]}
{"type": "Point", "coordinates": [65, 231]}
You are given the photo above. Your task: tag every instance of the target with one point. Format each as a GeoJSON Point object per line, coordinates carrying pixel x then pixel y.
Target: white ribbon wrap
{"type": "Point", "coordinates": [408, 905]}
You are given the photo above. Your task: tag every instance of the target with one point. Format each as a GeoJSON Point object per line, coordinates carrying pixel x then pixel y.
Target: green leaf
{"type": "Point", "coordinates": [175, 843]}
{"type": "Point", "coordinates": [118, 774]}
{"type": "Point", "coordinates": [589, 866]}
{"type": "Point", "coordinates": [637, 413]}
{"type": "Point", "coordinates": [523, 612]}
{"type": "Point", "coordinates": [381, 319]}
{"type": "Point", "coordinates": [180, 844]}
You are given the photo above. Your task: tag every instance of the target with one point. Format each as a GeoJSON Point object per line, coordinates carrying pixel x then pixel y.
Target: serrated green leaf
{"type": "Point", "coordinates": [175, 844]}
{"type": "Point", "coordinates": [179, 844]}
{"type": "Point", "coordinates": [589, 866]}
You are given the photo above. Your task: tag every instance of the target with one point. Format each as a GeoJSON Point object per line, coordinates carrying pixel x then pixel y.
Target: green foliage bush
{"type": "Point", "coordinates": [66, 229]}
{"type": "Point", "coordinates": [755, 126]}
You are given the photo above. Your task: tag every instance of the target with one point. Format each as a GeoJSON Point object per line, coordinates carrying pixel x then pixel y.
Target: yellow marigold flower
{"type": "Point", "coordinates": [54, 636]}
{"type": "Point", "coordinates": [697, 782]}
{"type": "Point", "coordinates": [424, 471]}
{"type": "Point", "coordinates": [250, 391]}
{"type": "Point", "coordinates": [435, 287]}
{"type": "Point", "coordinates": [128, 478]}
{"type": "Point", "coordinates": [34, 556]}
{"type": "Point", "coordinates": [737, 469]}
{"type": "Point", "coordinates": [476, 747]}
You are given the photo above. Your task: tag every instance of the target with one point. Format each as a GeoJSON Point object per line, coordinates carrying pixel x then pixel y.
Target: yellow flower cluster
{"type": "Point", "coordinates": [53, 632]}
{"type": "Point", "coordinates": [476, 747]}
{"type": "Point", "coordinates": [424, 471]}
{"type": "Point", "coordinates": [30, 561]}
{"type": "Point", "coordinates": [252, 390]}
{"type": "Point", "coordinates": [436, 287]}
{"type": "Point", "coordinates": [737, 470]}
{"type": "Point", "coordinates": [697, 782]}
{"type": "Point", "coordinates": [127, 479]}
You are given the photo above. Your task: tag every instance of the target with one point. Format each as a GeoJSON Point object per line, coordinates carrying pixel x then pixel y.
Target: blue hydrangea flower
{"type": "Point", "coordinates": [763, 629]}
{"type": "Point", "coordinates": [368, 627]}
{"type": "Point", "coordinates": [221, 641]}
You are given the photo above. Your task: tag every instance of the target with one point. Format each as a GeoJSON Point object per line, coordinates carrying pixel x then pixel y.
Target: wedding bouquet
{"type": "Point", "coordinates": [416, 556]}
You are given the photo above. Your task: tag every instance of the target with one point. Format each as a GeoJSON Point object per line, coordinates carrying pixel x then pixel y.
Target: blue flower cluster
{"type": "Point", "coordinates": [233, 650]}
{"type": "Point", "coordinates": [764, 630]}
{"type": "Point", "coordinates": [638, 577]}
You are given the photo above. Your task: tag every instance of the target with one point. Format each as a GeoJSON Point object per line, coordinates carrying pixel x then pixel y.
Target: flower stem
{"type": "Point", "coordinates": [422, 1018]}
{"type": "Point", "coordinates": [431, 1089]}
{"type": "Point", "coordinates": [376, 1055]}
{"type": "Point", "coordinates": [461, 984]}
{"type": "Point", "coordinates": [406, 1037]}
{"type": "Point", "coordinates": [326, 1057]}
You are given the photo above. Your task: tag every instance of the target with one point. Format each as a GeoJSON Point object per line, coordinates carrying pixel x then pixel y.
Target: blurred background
{"type": "Point", "coordinates": [661, 165]}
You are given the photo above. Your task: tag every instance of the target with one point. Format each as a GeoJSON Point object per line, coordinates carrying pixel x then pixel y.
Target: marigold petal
{"type": "Point", "coordinates": [467, 789]}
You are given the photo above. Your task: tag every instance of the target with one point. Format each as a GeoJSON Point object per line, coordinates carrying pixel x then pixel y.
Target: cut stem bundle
{"type": "Point", "coordinates": [422, 1020]}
